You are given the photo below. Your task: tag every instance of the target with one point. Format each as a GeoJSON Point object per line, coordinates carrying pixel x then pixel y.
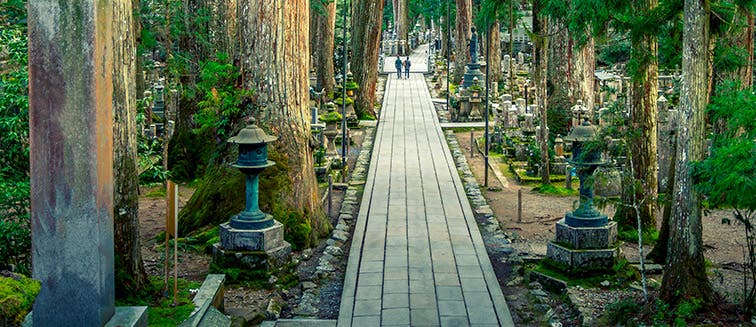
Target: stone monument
{"type": "Point", "coordinates": [585, 239]}
{"type": "Point", "coordinates": [71, 165]}
{"type": "Point", "coordinates": [473, 68]}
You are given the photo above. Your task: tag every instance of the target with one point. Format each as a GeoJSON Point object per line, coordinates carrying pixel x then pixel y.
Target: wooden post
{"type": "Point", "coordinates": [330, 194]}
{"type": "Point", "coordinates": [519, 205]}
{"type": "Point", "coordinates": [472, 144]}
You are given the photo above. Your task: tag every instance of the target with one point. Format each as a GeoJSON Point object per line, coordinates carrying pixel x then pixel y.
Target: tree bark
{"type": "Point", "coordinates": [401, 20]}
{"type": "Point", "coordinates": [643, 137]}
{"type": "Point", "coordinates": [685, 273]}
{"type": "Point", "coordinates": [324, 38]}
{"type": "Point", "coordinates": [462, 37]}
{"type": "Point", "coordinates": [366, 43]}
{"type": "Point", "coordinates": [559, 68]}
{"type": "Point", "coordinates": [494, 51]}
{"type": "Point", "coordinates": [541, 42]}
{"type": "Point", "coordinates": [130, 274]}
{"type": "Point", "coordinates": [582, 69]}
{"type": "Point", "coordinates": [740, 36]}
{"type": "Point", "coordinates": [659, 253]}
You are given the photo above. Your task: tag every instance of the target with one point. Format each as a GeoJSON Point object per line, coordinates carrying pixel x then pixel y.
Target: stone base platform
{"type": "Point", "coordinates": [586, 237]}
{"type": "Point", "coordinates": [583, 260]}
{"type": "Point", "coordinates": [264, 239]}
{"type": "Point", "coordinates": [253, 260]}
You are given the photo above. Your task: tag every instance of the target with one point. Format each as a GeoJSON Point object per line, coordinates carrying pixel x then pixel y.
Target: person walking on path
{"type": "Point", "coordinates": [407, 65]}
{"type": "Point", "coordinates": [398, 64]}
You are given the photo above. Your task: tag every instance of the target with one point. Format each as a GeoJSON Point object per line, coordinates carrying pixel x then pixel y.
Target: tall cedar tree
{"type": "Point", "coordinates": [541, 41]}
{"type": "Point", "coordinates": [366, 38]}
{"type": "Point", "coordinates": [462, 39]}
{"type": "Point", "coordinates": [685, 273]}
{"type": "Point", "coordinates": [324, 18]}
{"type": "Point", "coordinates": [130, 274]}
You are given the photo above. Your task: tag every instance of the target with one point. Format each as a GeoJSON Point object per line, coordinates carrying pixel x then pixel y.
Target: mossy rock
{"type": "Point", "coordinates": [17, 295]}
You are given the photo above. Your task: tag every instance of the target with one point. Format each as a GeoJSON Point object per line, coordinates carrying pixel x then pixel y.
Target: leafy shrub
{"type": "Point", "coordinates": [15, 232]}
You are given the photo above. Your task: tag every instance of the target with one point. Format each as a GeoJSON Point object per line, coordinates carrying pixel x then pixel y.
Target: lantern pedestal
{"type": "Point", "coordinates": [251, 248]}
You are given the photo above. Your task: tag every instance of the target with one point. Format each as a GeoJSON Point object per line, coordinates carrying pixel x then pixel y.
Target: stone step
{"type": "Point", "coordinates": [299, 323]}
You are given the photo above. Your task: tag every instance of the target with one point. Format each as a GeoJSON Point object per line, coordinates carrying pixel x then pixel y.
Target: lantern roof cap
{"type": "Point", "coordinates": [252, 134]}
{"type": "Point", "coordinates": [581, 133]}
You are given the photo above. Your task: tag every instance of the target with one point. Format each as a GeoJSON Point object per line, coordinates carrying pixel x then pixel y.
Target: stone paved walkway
{"type": "Point", "coordinates": [417, 257]}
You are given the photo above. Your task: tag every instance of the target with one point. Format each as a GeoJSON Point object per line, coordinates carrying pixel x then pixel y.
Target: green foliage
{"type": "Point", "coordinates": [618, 313]}
{"type": "Point", "coordinates": [150, 160]}
{"type": "Point", "coordinates": [686, 310]}
{"type": "Point", "coordinates": [15, 231]}
{"type": "Point", "coordinates": [221, 103]}
{"type": "Point", "coordinates": [613, 52]}
{"type": "Point", "coordinates": [15, 237]}
{"type": "Point", "coordinates": [14, 103]}
{"type": "Point", "coordinates": [17, 295]}
{"type": "Point", "coordinates": [161, 310]}
{"type": "Point", "coordinates": [728, 176]}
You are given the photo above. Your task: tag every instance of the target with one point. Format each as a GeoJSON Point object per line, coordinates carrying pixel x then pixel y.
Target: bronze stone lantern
{"type": "Point", "coordinates": [586, 160]}
{"type": "Point", "coordinates": [252, 160]}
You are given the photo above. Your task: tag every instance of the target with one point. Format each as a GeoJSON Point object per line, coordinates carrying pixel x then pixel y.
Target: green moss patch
{"type": "Point", "coordinates": [620, 275]}
{"type": "Point", "coordinates": [551, 189]}
{"type": "Point", "coordinates": [16, 297]}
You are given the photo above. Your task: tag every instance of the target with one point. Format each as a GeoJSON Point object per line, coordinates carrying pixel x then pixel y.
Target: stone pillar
{"type": "Point", "coordinates": [71, 162]}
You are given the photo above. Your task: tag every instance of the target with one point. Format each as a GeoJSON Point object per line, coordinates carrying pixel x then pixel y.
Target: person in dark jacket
{"type": "Point", "coordinates": [407, 65]}
{"type": "Point", "coordinates": [398, 64]}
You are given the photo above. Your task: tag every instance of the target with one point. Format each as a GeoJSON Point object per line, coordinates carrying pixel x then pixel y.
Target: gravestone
{"type": "Point", "coordinates": [71, 165]}
{"type": "Point", "coordinates": [520, 105]}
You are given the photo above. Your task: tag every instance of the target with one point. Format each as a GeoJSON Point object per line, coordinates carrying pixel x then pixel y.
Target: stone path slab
{"type": "Point", "coordinates": [417, 257]}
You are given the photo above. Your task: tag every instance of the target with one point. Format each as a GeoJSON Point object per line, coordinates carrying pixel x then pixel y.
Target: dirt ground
{"type": "Point", "coordinates": [723, 243]}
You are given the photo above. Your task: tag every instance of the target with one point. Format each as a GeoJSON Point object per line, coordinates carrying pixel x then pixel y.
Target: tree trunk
{"type": "Point", "coordinates": [130, 275]}
{"type": "Point", "coordinates": [541, 43]}
{"type": "Point", "coordinates": [559, 68]}
{"type": "Point", "coordinates": [643, 138]}
{"type": "Point", "coordinates": [274, 49]}
{"type": "Point", "coordinates": [582, 68]}
{"type": "Point", "coordinates": [659, 253]}
{"type": "Point", "coordinates": [685, 273]}
{"type": "Point", "coordinates": [324, 36]}
{"type": "Point", "coordinates": [366, 43]}
{"type": "Point", "coordinates": [400, 21]}
{"type": "Point", "coordinates": [494, 51]}
{"type": "Point", "coordinates": [462, 37]}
